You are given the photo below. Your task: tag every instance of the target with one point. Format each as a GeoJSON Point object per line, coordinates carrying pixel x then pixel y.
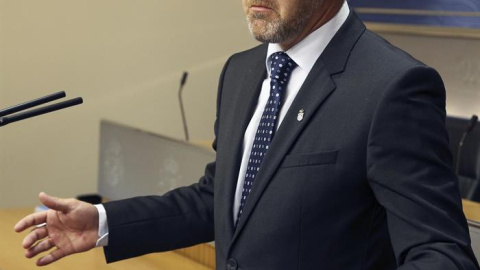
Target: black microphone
{"type": "Point", "coordinates": [470, 127]}
{"type": "Point", "coordinates": [184, 78]}
{"type": "Point", "coordinates": [5, 120]}
{"type": "Point", "coordinates": [32, 103]}
{"type": "Point", "coordinates": [184, 120]}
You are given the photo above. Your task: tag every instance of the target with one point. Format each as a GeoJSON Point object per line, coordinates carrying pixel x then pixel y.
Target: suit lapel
{"type": "Point", "coordinates": [246, 97]}
{"type": "Point", "coordinates": [316, 89]}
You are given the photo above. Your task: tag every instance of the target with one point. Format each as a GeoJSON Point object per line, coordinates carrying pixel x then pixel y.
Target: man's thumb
{"type": "Point", "coordinates": [53, 202]}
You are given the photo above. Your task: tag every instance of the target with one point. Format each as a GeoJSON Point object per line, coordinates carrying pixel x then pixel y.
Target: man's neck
{"type": "Point", "coordinates": [325, 13]}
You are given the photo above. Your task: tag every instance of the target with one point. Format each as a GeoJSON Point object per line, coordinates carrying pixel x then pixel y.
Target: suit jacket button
{"type": "Point", "coordinates": [232, 264]}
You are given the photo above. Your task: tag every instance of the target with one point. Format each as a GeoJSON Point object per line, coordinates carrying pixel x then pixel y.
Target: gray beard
{"type": "Point", "coordinates": [279, 30]}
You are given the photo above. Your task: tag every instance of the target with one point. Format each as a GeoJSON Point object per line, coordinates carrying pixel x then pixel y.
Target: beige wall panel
{"type": "Point", "coordinates": [125, 58]}
{"type": "Point", "coordinates": [457, 60]}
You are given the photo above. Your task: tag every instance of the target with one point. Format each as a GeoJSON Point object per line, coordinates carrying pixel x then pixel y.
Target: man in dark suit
{"type": "Point", "coordinates": [346, 167]}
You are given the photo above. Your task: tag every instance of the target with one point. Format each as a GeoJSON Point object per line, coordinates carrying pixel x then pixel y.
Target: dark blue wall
{"type": "Point", "coordinates": [470, 6]}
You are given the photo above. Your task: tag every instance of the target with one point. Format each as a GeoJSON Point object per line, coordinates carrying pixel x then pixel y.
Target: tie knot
{"type": "Point", "coordinates": [281, 66]}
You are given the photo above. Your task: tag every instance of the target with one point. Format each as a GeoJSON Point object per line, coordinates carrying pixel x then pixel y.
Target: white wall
{"type": "Point", "coordinates": [125, 58]}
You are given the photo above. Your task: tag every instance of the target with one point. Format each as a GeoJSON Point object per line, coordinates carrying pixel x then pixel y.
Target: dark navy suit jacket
{"type": "Point", "coordinates": [363, 182]}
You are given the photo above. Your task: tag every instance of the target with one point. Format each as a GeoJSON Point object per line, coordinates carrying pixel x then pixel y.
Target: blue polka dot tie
{"type": "Point", "coordinates": [281, 68]}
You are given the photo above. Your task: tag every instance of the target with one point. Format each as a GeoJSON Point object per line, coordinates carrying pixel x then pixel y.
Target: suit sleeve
{"type": "Point", "coordinates": [409, 169]}
{"type": "Point", "coordinates": [180, 218]}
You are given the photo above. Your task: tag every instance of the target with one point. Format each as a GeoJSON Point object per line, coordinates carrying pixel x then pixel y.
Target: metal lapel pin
{"type": "Point", "coordinates": [300, 115]}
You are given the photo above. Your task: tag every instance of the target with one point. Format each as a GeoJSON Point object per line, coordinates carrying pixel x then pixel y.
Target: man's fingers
{"type": "Point", "coordinates": [42, 246]}
{"type": "Point", "coordinates": [31, 220]}
{"type": "Point", "coordinates": [53, 202]}
{"type": "Point", "coordinates": [55, 255]}
{"type": "Point", "coordinates": [34, 236]}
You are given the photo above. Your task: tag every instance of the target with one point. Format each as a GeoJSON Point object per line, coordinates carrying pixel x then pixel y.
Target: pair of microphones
{"type": "Point", "coordinates": [14, 113]}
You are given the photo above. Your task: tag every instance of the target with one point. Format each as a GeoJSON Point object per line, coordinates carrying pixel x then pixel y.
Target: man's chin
{"type": "Point", "coordinates": [258, 28]}
{"type": "Point", "coordinates": [264, 38]}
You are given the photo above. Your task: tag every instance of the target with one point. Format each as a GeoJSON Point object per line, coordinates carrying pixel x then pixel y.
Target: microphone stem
{"type": "Point", "coordinates": [470, 127]}
{"type": "Point", "coordinates": [459, 152]}
{"type": "Point", "coordinates": [184, 120]}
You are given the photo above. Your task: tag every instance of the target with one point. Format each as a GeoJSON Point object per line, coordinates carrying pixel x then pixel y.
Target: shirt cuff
{"type": "Point", "coordinates": [102, 226]}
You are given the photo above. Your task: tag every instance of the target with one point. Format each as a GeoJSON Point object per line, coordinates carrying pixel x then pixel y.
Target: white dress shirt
{"type": "Point", "coordinates": [305, 54]}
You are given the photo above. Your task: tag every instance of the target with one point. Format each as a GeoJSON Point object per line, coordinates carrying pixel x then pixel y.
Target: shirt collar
{"type": "Point", "coordinates": [306, 52]}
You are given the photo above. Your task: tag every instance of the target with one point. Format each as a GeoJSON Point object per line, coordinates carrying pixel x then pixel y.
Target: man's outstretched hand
{"type": "Point", "coordinates": [71, 227]}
